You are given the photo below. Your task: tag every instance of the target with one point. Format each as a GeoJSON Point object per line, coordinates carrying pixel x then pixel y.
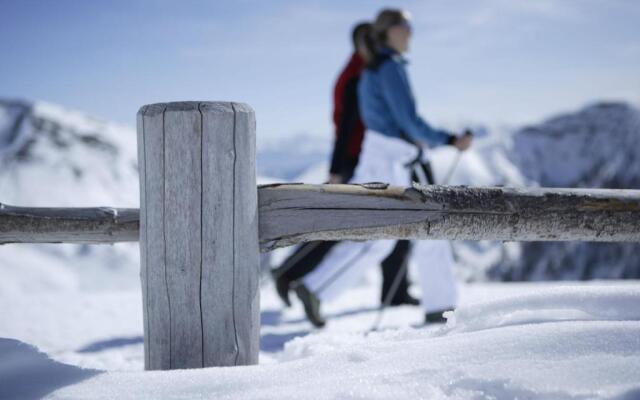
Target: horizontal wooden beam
{"type": "Point", "coordinates": [68, 225]}
{"type": "Point", "coordinates": [293, 213]}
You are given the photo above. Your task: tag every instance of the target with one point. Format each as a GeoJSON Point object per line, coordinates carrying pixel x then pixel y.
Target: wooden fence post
{"type": "Point", "coordinates": [198, 235]}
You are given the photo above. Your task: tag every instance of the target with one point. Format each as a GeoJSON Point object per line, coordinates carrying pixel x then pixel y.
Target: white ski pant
{"type": "Point", "coordinates": [384, 159]}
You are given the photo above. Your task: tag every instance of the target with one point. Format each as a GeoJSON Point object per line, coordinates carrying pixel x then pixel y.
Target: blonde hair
{"type": "Point", "coordinates": [386, 19]}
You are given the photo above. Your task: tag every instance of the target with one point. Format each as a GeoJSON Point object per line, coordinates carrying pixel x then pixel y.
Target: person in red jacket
{"type": "Point", "coordinates": [349, 131]}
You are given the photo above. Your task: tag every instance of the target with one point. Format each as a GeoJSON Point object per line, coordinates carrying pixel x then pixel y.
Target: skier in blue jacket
{"type": "Point", "coordinates": [392, 152]}
{"type": "Point", "coordinates": [387, 104]}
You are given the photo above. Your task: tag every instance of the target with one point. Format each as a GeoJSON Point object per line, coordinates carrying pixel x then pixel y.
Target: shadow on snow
{"type": "Point", "coordinates": [27, 373]}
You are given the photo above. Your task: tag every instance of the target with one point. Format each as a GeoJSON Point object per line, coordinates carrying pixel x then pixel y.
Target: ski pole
{"type": "Point", "coordinates": [454, 165]}
{"type": "Point", "coordinates": [392, 292]}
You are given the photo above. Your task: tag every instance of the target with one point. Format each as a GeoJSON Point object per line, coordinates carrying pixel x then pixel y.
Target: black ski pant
{"type": "Point", "coordinates": [309, 255]}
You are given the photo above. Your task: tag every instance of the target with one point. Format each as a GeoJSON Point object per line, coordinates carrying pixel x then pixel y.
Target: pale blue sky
{"type": "Point", "coordinates": [480, 61]}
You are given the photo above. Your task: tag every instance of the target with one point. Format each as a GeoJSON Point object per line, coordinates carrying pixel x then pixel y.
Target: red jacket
{"type": "Point", "coordinates": [349, 129]}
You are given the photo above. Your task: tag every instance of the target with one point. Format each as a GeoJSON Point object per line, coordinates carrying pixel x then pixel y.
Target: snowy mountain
{"type": "Point", "coordinates": [56, 157]}
{"type": "Point", "coordinates": [596, 147]}
{"type": "Point", "coordinates": [50, 156]}
{"type": "Point", "coordinates": [288, 158]}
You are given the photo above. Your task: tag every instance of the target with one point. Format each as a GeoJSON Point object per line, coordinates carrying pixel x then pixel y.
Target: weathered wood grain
{"type": "Point", "coordinates": [183, 230]}
{"type": "Point", "coordinates": [153, 260]}
{"type": "Point", "coordinates": [218, 157]}
{"type": "Point", "coordinates": [67, 225]}
{"type": "Point", "coordinates": [245, 238]}
{"type": "Point", "coordinates": [201, 251]}
{"type": "Point", "coordinates": [293, 213]}
{"type": "Point", "coordinates": [143, 226]}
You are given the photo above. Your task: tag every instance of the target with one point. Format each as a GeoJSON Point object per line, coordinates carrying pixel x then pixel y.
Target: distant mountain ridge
{"type": "Point", "coordinates": [596, 147]}
{"type": "Point", "coordinates": [57, 157]}
{"type": "Point", "coordinates": [51, 156]}
{"type": "Point", "coordinates": [290, 157]}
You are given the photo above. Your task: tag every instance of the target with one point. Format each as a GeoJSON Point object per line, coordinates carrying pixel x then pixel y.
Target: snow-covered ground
{"type": "Point", "coordinates": [505, 341]}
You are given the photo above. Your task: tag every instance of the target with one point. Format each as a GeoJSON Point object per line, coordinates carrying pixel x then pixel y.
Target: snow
{"type": "Point", "coordinates": [534, 340]}
{"type": "Point", "coordinates": [23, 365]}
{"type": "Point", "coordinates": [551, 304]}
{"type": "Point", "coordinates": [91, 161]}
{"type": "Point", "coordinates": [288, 158]}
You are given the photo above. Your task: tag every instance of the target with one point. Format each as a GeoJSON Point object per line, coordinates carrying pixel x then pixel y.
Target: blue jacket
{"type": "Point", "coordinates": [387, 105]}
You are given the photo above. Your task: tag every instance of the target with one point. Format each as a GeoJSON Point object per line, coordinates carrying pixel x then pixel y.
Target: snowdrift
{"type": "Point", "coordinates": [546, 343]}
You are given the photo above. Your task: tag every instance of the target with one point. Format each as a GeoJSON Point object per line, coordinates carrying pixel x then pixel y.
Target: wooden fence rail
{"type": "Point", "coordinates": [203, 221]}
{"type": "Point", "coordinates": [68, 225]}
{"type": "Point", "coordinates": [293, 213]}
